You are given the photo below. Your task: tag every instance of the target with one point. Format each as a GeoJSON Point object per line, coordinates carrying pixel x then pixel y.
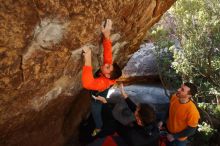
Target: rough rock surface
{"type": "Point", "coordinates": [142, 63]}
{"type": "Point", "coordinates": [40, 65]}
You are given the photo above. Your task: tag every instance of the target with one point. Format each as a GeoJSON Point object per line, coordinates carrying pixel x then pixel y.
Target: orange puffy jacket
{"type": "Point", "coordinates": [101, 83]}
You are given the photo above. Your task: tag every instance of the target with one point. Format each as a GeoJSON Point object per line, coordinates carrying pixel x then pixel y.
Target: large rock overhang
{"type": "Point", "coordinates": [41, 62]}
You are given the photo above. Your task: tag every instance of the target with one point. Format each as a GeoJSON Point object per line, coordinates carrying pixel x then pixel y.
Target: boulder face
{"type": "Point", "coordinates": [142, 63]}
{"type": "Point", "coordinates": [41, 102]}
{"type": "Point", "coordinates": [142, 67]}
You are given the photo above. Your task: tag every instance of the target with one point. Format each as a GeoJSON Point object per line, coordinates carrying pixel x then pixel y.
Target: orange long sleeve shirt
{"type": "Point", "coordinates": [101, 83]}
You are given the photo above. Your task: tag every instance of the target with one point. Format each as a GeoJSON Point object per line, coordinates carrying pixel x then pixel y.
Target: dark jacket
{"type": "Point", "coordinates": [133, 135]}
{"type": "Point", "coordinates": [136, 135]}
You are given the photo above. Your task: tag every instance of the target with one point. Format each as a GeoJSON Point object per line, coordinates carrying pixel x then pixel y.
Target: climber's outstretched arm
{"type": "Point", "coordinates": [107, 44]}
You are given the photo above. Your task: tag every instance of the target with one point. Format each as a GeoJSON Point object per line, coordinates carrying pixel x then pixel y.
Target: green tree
{"type": "Point", "coordinates": [196, 56]}
{"type": "Point", "coordinates": [198, 30]}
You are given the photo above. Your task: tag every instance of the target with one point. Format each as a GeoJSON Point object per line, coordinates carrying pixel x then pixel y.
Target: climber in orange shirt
{"type": "Point", "coordinates": [104, 78]}
{"type": "Point", "coordinates": [109, 71]}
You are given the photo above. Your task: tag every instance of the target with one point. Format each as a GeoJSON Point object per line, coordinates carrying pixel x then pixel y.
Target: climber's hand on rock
{"type": "Point", "coordinates": [87, 55]}
{"type": "Point", "coordinates": [106, 30]}
{"type": "Point", "coordinates": [86, 50]}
